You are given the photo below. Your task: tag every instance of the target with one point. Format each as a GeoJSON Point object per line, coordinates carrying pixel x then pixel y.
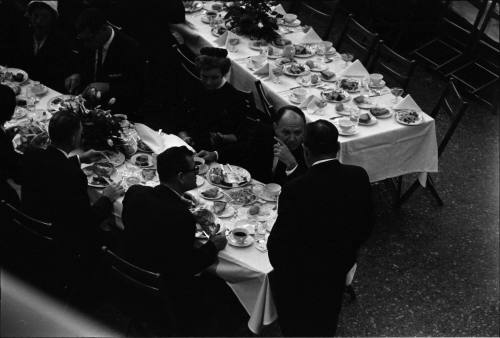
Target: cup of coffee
{"type": "Point", "coordinates": [289, 18]}
{"type": "Point", "coordinates": [148, 174]}
{"type": "Point", "coordinates": [240, 235]}
{"type": "Point", "coordinates": [299, 94]}
{"type": "Point", "coordinates": [132, 180]}
{"type": "Point", "coordinates": [345, 124]}
{"type": "Point", "coordinates": [272, 190]}
{"type": "Point", "coordinates": [376, 79]}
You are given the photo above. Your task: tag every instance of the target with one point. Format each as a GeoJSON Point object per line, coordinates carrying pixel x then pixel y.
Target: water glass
{"type": "Point", "coordinates": [354, 117]}
{"type": "Point", "coordinates": [397, 92]}
{"type": "Point", "coordinates": [347, 57]}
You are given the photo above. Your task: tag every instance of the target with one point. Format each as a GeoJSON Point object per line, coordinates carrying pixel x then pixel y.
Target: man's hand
{"type": "Point", "coordinates": [91, 156]}
{"type": "Point", "coordinates": [96, 91]}
{"type": "Point", "coordinates": [219, 240]}
{"type": "Point", "coordinates": [208, 156]}
{"type": "Point", "coordinates": [284, 154]}
{"type": "Point", "coordinates": [72, 82]}
{"type": "Point", "coordinates": [186, 138]}
{"type": "Point", "coordinates": [113, 191]}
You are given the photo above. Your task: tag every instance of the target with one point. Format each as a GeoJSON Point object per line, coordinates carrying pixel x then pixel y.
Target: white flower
{"type": "Point", "coordinates": [260, 25]}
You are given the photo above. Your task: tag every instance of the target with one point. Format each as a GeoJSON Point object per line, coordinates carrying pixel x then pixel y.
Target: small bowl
{"type": "Point", "coordinates": [289, 18]}
{"type": "Point", "coordinates": [345, 124]}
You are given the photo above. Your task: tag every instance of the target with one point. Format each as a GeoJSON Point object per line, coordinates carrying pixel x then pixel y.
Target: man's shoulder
{"type": "Point", "coordinates": [125, 40]}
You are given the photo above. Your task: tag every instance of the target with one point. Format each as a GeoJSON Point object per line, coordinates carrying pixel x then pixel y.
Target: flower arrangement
{"type": "Point", "coordinates": [253, 18]}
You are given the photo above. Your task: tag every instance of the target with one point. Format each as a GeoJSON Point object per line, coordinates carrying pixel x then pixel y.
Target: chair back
{"type": "Point", "coordinates": [132, 275]}
{"type": "Point", "coordinates": [453, 107]}
{"type": "Point", "coordinates": [357, 39]}
{"type": "Point", "coordinates": [187, 64]}
{"type": "Point", "coordinates": [313, 13]}
{"type": "Point", "coordinates": [393, 65]}
{"type": "Point", "coordinates": [31, 229]}
{"type": "Point", "coordinates": [267, 106]}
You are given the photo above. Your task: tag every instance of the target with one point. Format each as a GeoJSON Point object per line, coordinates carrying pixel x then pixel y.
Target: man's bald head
{"type": "Point", "coordinates": [289, 124]}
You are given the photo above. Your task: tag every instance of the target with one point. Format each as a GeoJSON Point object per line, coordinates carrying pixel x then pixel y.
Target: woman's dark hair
{"type": "Point", "coordinates": [172, 161]}
{"type": "Point", "coordinates": [211, 58]}
{"type": "Point", "coordinates": [280, 112]}
{"type": "Point", "coordinates": [7, 103]}
{"type": "Point", "coordinates": [63, 126]}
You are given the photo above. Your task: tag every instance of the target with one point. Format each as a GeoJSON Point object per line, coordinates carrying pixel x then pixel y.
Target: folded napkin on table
{"type": "Point", "coordinates": [264, 70]}
{"type": "Point", "coordinates": [279, 9]}
{"type": "Point", "coordinates": [355, 69]}
{"type": "Point", "coordinates": [224, 38]}
{"type": "Point", "coordinates": [159, 142]}
{"type": "Point", "coordinates": [311, 37]}
{"type": "Point", "coordinates": [408, 103]}
{"type": "Point", "coordinates": [310, 103]}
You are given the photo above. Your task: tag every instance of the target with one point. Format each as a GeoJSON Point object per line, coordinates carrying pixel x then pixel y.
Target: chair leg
{"type": "Point", "coordinates": [350, 291]}
{"type": "Point", "coordinates": [407, 194]}
{"type": "Point", "coordinates": [432, 189]}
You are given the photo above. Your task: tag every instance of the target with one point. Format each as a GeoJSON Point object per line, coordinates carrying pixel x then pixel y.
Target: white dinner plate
{"type": "Point", "coordinates": [17, 71]}
{"type": "Point", "coordinates": [295, 23]}
{"type": "Point", "coordinates": [197, 6]}
{"type": "Point", "coordinates": [148, 165]}
{"type": "Point", "coordinates": [229, 211]}
{"type": "Point", "coordinates": [217, 197]}
{"type": "Point", "coordinates": [287, 72]}
{"type": "Point", "coordinates": [373, 120]}
{"type": "Point", "coordinates": [417, 122]}
{"type": "Point", "coordinates": [56, 102]}
{"type": "Point", "coordinates": [347, 97]}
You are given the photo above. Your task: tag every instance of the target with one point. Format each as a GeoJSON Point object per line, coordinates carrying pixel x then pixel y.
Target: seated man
{"type": "Point", "coordinates": [217, 111]}
{"type": "Point", "coordinates": [278, 153]}
{"type": "Point", "coordinates": [310, 271]}
{"type": "Point", "coordinates": [111, 65]}
{"type": "Point", "coordinates": [159, 230]}
{"type": "Point", "coordinates": [9, 164]}
{"type": "Point", "coordinates": [41, 49]}
{"type": "Point", "coordinates": [55, 188]}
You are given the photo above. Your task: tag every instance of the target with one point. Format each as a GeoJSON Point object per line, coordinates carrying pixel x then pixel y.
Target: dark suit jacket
{"type": "Point", "coordinates": [9, 168]}
{"type": "Point", "coordinates": [51, 65]}
{"type": "Point", "coordinates": [123, 69]}
{"type": "Point", "coordinates": [159, 233]}
{"type": "Point", "coordinates": [55, 189]}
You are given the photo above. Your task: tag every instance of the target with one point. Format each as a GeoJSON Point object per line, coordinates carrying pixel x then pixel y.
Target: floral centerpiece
{"type": "Point", "coordinates": [253, 18]}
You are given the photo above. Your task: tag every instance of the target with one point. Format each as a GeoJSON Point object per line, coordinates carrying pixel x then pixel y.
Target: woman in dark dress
{"type": "Point", "coordinates": [9, 159]}
{"type": "Point", "coordinates": [214, 122]}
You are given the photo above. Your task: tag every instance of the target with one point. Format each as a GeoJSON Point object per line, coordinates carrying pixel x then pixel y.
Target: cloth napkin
{"type": "Point", "coordinates": [159, 142]}
{"type": "Point", "coordinates": [311, 37]}
{"type": "Point", "coordinates": [408, 103]}
{"type": "Point", "coordinates": [224, 38]}
{"type": "Point", "coordinates": [264, 70]}
{"type": "Point", "coordinates": [310, 103]}
{"type": "Point", "coordinates": [279, 9]}
{"type": "Point", "coordinates": [356, 69]}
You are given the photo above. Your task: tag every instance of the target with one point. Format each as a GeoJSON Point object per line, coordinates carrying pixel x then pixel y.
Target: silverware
{"type": "Point", "coordinates": [287, 90]}
{"type": "Point", "coordinates": [335, 117]}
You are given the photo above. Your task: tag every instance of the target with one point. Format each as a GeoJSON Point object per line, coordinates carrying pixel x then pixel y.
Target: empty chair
{"type": "Point", "coordinates": [452, 107]}
{"type": "Point", "coordinates": [267, 106]}
{"type": "Point", "coordinates": [396, 68]}
{"type": "Point", "coordinates": [357, 40]}
{"type": "Point", "coordinates": [455, 39]}
{"type": "Point", "coordinates": [318, 15]}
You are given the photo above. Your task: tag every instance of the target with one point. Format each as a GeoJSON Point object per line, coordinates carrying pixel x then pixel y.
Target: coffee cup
{"type": "Point", "coordinates": [211, 14]}
{"type": "Point", "coordinates": [132, 180]}
{"type": "Point", "coordinates": [376, 79]}
{"type": "Point", "coordinates": [148, 174]}
{"type": "Point", "coordinates": [272, 190]}
{"type": "Point", "coordinates": [289, 18]}
{"type": "Point", "coordinates": [345, 124]}
{"type": "Point", "coordinates": [299, 94]}
{"type": "Point", "coordinates": [240, 235]}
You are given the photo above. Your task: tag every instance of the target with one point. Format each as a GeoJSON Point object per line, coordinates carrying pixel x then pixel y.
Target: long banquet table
{"type": "Point", "coordinates": [385, 150]}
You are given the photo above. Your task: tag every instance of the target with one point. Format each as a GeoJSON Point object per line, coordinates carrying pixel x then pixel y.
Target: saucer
{"type": "Point", "coordinates": [295, 23]}
{"type": "Point", "coordinates": [294, 99]}
{"type": "Point", "coordinates": [232, 241]}
{"type": "Point", "coordinates": [229, 211]}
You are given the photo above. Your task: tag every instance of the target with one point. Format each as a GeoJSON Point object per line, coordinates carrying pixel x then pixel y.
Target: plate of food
{"type": "Point", "coordinates": [142, 160]}
{"type": "Point", "coordinates": [328, 76]}
{"type": "Point", "coordinates": [295, 69]}
{"type": "Point", "coordinates": [303, 51]}
{"type": "Point", "coordinates": [222, 210]}
{"type": "Point", "coordinates": [116, 158]}
{"type": "Point", "coordinates": [344, 110]}
{"type": "Point", "coordinates": [258, 44]}
{"type": "Point", "coordinates": [363, 102]}
{"type": "Point", "coordinates": [380, 85]}
{"type": "Point", "coordinates": [38, 89]}
{"type": "Point", "coordinates": [243, 196]}
{"type": "Point", "coordinates": [272, 53]}
{"type": "Point", "coordinates": [20, 113]}
{"type": "Point", "coordinates": [381, 112]}
{"type": "Point", "coordinates": [281, 42]}
{"type": "Point", "coordinates": [141, 146]}
{"type": "Point", "coordinates": [16, 75]}
{"type": "Point", "coordinates": [335, 95]}
{"type": "Point", "coordinates": [57, 102]}
{"type": "Point", "coordinates": [97, 181]}
{"type": "Point", "coordinates": [350, 85]}
{"type": "Point", "coordinates": [218, 31]}
{"type": "Point", "coordinates": [409, 117]}
{"type": "Point", "coordinates": [294, 23]}
{"type": "Point", "coordinates": [229, 176]}
{"type": "Point", "coordinates": [193, 6]}
{"type": "Point", "coordinates": [212, 193]}
{"type": "Point", "coordinates": [199, 181]}
{"type": "Point", "coordinates": [205, 223]}
{"type": "Point", "coordinates": [307, 81]}
{"type": "Point", "coordinates": [315, 66]}
{"type": "Point", "coordinates": [367, 119]}
{"type": "Point", "coordinates": [283, 61]}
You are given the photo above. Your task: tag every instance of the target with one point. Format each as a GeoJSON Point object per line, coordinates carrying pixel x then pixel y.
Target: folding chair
{"type": "Point", "coordinates": [392, 65]}
{"type": "Point", "coordinates": [482, 71]}
{"type": "Point", "coordinates": [187, 63]}
{"type": "Point", "coordinates": [456, 39]}
{"type": "Point", "coordinates": [317, 15]}
{"type": "Point", "coordinates": [267, 106]}
{"type": "Point", "coordinates": [360, 41]}
{"type": "Point", "coordinates": [453, 106]}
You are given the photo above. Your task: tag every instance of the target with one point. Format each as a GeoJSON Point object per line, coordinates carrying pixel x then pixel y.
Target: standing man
{"type": "Point", "coordinates": [323, 218]}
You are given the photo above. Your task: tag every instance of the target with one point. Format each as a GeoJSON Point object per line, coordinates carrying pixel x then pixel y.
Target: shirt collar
{"type": "Point", "coordinates": [62, 151]}
{"type": "Point", "coordinates": [323, 161]}
{"type": "Point", "coordinates": [108, 43]}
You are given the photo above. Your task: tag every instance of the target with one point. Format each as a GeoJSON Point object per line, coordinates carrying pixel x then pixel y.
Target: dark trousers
{"type": "Point", "coordinates": [309, 307]}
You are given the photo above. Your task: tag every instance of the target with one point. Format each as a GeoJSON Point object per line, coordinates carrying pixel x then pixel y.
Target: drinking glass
{"type": "Point", "coordinates": [354, 117]}
{"type": "Point", "coordinates": [347, 57]}
{"type": "Point", "coordinates": [397, 92]}
{"type": "Point", "coordinates": [277, 72]}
